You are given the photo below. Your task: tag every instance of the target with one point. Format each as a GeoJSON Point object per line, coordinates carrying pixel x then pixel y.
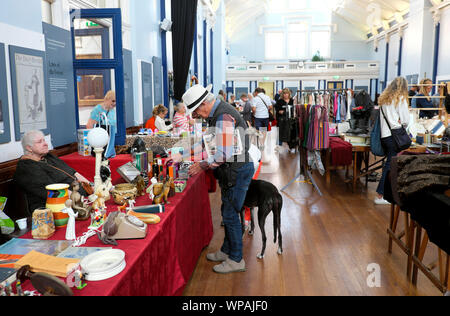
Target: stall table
{"type": "Point", "coordinates": [86, 167]}
{"type": "Point", "coordinates": [163, 262]}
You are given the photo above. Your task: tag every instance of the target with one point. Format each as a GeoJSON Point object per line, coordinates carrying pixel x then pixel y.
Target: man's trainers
{"type": "Point", "coordinates": [218, 256]}
{"type": "Point", "coordinates": [229, 266]}
{"type": "Point", "coordinates": [381, 201]}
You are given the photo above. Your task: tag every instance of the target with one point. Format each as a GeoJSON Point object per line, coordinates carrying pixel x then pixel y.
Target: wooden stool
{"type": "Point", "coordinates": [408, 233]}
{"type": "Point", "coordinates": [443, 263]}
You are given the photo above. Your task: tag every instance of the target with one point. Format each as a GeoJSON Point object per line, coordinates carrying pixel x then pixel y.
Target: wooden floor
{"type": "Point", "coordinates": [328, 242]}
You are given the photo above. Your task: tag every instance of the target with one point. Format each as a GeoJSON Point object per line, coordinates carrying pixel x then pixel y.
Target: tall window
{"type": "Point", "coordinates": [297, 40]}
{"type": "Point", "coordinates": [320, 42]}
{"type": "Point", "coordinates": [274, 45]}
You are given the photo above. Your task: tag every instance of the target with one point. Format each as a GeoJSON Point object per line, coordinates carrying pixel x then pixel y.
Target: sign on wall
{"type": "Point", "coordinates": [28, 81]}
{"type": "Point", "coordinates": [61, 103]}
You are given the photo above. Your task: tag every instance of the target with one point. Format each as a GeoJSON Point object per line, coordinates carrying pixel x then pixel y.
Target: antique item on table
{"type": "Point", "coordinates": [162, 198]}
{"type": "Point", "coordinates": [102, 195]}
{"type": "Point", "coordinates": [120, 226]}
{"type": "Point", "coordinates": [138, 146]}
{"type": "Point", "coordinates": [146, 217]}
{"type": "Point", "coordinates": [149, 209]}
{"type": "Point", "coordinates": [97, 219]}
{"type": "Point", "coordinates": [44, 283]}
{"type": "Point", "coordinates": [140, 185]}
{"type": "Point", "coordinates": [141, 161]}
{"type": "Point", "coordinates": [105, 174]}
{"type": "Point", "coordinates": [70, 229]}
{"type": "Point", "coordinates": [39, 262]}
{"type": "Point", "coordinates": [57, 195]}
{"type": "Point", "coordinates": [172, 188]}
{"type": "Point", "coordinates": [103, 265]}
{"type": "Point", "coordinates": [124, 192]}
{"type": "Point", "coordinates": [43, 224]}
{"type": "Point", "coordinates": [157, 191]}
{"type": "Point", "coordinates": [98, 138]}
{"type": "Point", "coordinates": [128, 172]}
{"type": "Point", "coordinates": [150, 188]}
{"type": "Point", "coordinates": [79, 206]}
{"type": "Point", "coordinates": [180, 185]}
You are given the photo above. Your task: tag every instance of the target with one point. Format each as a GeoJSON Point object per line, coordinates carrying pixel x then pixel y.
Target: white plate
{"type": "Point", "coordinates": [103, 265]}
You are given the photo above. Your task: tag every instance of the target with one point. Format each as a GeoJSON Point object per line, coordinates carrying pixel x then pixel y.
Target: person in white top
{"type": "Point", "coordinates": [161, 112]}
{"type": "Point", "coordinates": [394, 107]}
{"type": "Point", "coordinates": [261, 106]}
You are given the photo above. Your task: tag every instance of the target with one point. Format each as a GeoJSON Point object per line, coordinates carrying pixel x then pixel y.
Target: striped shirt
{"type": "Point", "coordinates": [181, 122]}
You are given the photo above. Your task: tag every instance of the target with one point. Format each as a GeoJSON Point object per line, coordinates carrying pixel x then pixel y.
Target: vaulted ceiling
{"type": "Point", "coordinates": [366, 15]}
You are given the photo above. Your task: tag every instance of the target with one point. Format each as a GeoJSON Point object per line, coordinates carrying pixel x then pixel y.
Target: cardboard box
{"type": "Point", "coordinates": [83, 145]}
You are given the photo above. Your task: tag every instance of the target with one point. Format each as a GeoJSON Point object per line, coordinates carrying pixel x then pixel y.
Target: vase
{"type": "Point", "coordinates": [57, 195]}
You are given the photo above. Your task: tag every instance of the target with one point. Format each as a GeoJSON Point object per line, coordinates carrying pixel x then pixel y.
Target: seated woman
{"type": "Point", "coordinates": [107, 107]}
{"type": "Point", "coordinates": [182, 122]}
{"type": "Point", "coordinates": [38, 169]}
{"type": "Point", "coordinates": [424, 100]}
{"type": "Point", "coordinates": [160, 112]}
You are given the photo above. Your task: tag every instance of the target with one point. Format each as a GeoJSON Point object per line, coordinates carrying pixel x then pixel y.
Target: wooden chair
{"type": "Point", "coordinates": [408, 233]}
{"type": "Point", "coordinates": [443, 262]}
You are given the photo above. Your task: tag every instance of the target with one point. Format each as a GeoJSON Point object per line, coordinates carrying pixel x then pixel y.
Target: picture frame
{"type": "Point", "coordinates": [5, 129]}
{"type": "Point", "coordinates": [29, 91]}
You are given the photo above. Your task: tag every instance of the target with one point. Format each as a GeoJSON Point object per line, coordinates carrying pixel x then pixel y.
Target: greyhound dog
{"type": "Point", "coordinates": [266, 198]}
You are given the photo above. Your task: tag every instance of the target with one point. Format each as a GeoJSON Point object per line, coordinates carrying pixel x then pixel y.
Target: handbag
{"type": "Point", "coordinates": [401, 139]}
{"type": "Point", "coordinates": [375, 137]}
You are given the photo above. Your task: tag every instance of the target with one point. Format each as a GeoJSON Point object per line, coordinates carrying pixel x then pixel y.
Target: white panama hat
{"type": "Point", "coordinates": [195, 96]}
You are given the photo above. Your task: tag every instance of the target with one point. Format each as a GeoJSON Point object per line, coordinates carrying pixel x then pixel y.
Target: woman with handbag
{"type": "Point", "coordinates": [394, 117]}
{"type": "Point", "coordinates": [283, 105]}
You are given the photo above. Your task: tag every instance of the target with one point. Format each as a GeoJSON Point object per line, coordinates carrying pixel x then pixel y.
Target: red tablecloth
{"type": "Point", "coordinates": [86, 167]}
{"type": "Point", "coordinates": [163, 262]}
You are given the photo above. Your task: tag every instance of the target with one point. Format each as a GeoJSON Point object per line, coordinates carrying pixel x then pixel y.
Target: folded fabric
{"type": "Point", "coordinates": [341, 152]}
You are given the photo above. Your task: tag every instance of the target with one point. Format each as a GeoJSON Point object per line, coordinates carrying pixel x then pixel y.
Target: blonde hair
{"type": "Point", "coordinates": [286, 91]}
{"type": "Point", "coordinates": [110, 95]}
{"type": "Point", "coordinates": [159, 109]}
{"type": "Point", "coordinates": [423, 87]}
{"type": "Point", "coordinates": [395, 92]}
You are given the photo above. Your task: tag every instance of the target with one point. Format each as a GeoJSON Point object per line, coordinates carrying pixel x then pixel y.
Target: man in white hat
{"type": "Point", "coordinates": [232, 167]}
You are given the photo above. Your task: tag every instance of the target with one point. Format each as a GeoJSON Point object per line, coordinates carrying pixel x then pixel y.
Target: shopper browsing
{"type": "Point", "coordinates": [232, 167]}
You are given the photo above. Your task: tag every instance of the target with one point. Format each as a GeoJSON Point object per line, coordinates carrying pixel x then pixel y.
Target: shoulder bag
{"type": "Point", "coordinates": [375, 137]}
{"type": "Point", "coordinates": [271, 118]}
{"type": "Point", "coordinates": [401, 139]}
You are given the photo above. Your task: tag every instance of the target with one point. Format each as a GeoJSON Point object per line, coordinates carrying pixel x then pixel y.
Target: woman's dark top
{"type": "Point", "coordinates": [33, 176]}
{"type": "Point", "coordinates": [247, 112]}
{"type": "Point", "coordinates": [424, 103]}
{"type": "Point", "coordinates": [281, 105]}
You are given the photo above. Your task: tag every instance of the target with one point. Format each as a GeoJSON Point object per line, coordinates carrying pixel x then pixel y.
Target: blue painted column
{"type": "Point", "coordinates": [400, 53]}
{"type": "Point", "coordinates": [386, 65]}
{"type": "Point", "coordinates": [211, 39]}
{"type": "Point", "coordinates": [205, 54]}
{"type": "Point", "coordinates": [437, 31]}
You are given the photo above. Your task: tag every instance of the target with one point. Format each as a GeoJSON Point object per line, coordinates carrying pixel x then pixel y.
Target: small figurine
{"type": "Point", "coordinates": [70, 230]}
{"type": "Point", "coordinates": [102, 194]}
{"type": "Point", "coordinates": [140, 185]}
{"type": "Point", "coordinates": [79, 277]}
{"type": "Point", "coordinates": [158, 193]}
{"type": "Point", "coordinates": [162, 197]}
{"type": "Point", "coordinates": [19, 288]}
{"type": "Point", "coordinates": [105, 174]}
{"type": "Point", "coordinates": [150, 188]}
{"type": "Point", "coordinates": [79, 205]}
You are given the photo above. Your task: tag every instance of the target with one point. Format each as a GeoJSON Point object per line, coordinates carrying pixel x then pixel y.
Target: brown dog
{"type": "Point", "coordinates": [265, 196]}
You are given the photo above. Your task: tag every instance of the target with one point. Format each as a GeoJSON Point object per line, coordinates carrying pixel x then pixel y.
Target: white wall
{"type": "Point", "coordinates": [11, 35]}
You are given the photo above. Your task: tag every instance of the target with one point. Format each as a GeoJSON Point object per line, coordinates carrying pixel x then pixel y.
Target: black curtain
{"type": "Point", "coordinates": [184, 19]}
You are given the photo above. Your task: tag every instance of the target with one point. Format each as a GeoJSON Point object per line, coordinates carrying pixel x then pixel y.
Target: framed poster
{"type": "Point", "coordinates": [5, 133]}
{"type": "Point", "coordinates": [28, 82]}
